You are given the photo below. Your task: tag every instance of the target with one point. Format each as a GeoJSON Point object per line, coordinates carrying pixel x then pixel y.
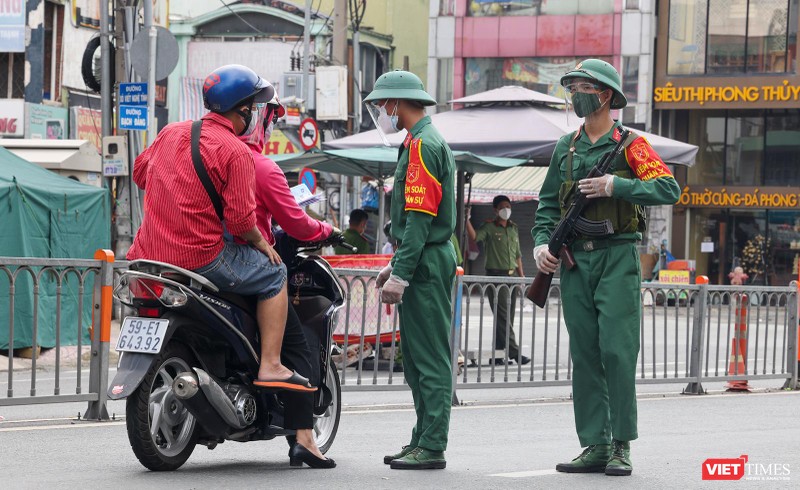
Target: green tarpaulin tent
{"type": "Point", "coordinates": [46, 215]}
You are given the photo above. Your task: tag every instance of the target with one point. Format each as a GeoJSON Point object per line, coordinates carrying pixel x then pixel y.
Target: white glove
{"type": "Point", "coordinates": [383, 276]}
{"type": "Point", "coordinates": [545, 261]}
{"type": "Point", "coordinates": [602, 186]}
{"type": "Point", "coordinates": [392, 291]}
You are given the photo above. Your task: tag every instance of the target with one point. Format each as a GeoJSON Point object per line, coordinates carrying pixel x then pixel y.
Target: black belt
{"type": "Point", "coordinates": [429, 244]}
{"type": "Point", "coordinates": [500, 272]}
{"type": "Point", "coordinates": [592, 245]}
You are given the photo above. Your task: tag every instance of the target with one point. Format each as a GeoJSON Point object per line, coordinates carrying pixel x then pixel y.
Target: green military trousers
{"type": "Point", "coordinates": [425, 316]}
{"type": "Point", "coordinates": [602, 308]}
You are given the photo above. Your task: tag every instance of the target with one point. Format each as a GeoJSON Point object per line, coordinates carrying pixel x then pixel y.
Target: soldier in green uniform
{"type": "Point", "coordinates": [601, 295]}
{"type": "Point", "coordinates": [421, 273]}
{"type": "Point", "coordinates": [354, 234]}
{"type": "Point", "coordinates": [503, 259]}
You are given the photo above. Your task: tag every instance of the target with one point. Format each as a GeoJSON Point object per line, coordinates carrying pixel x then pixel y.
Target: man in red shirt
{"type": "Point", "coordinates": [181, 225]}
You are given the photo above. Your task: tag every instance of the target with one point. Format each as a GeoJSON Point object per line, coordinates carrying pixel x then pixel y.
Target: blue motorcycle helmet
{"type": "Point", "coordinates": [232, 86]}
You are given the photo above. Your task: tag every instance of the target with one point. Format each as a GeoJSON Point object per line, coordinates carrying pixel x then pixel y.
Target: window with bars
{"type": "Point", "coordinates": [12, 75]}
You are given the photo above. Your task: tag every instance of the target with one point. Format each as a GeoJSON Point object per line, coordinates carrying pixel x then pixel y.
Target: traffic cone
{"type": "Point", "coordinates": [736, 366]}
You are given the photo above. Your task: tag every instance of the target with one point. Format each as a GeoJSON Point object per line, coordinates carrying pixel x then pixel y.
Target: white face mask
{"type": "Point", "coordinates": [504, 213]}
{"type": "Point", "coordinates": [386, 122]}
{"type": "Point", "coordinates": [268, 131]}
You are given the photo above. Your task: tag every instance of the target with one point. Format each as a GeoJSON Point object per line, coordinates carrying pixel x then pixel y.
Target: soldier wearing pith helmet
{"type": "Point", "coordinates": [420, 276]}
{"type": "Point", "coordinates": [601, 295]}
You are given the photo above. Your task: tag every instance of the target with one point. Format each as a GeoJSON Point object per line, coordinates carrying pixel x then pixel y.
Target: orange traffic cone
{"type": "Point", "coordinates": [738, 358]}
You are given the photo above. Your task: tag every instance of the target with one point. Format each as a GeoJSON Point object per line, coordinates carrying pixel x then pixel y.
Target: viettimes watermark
{"type": "Point", "coordinates": [739, 468]}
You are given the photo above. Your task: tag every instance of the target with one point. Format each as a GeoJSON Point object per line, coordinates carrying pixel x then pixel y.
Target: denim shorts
{"type": "Point", "coordinates": [243, 270]}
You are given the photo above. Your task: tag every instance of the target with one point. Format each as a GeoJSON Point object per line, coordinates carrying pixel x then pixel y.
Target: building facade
{"type": "Point", "coordinates": [478, 45]}
{"type": "Point", "coordinates": [726, 81]}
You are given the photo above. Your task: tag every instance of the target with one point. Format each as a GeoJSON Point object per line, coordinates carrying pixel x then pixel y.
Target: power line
{"type": "Point", "coordinates": [243, 19]}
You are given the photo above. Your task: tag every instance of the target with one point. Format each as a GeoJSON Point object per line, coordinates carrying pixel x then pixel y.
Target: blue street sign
{"type": "Point", "coordinates": [134, 94]}
{"type": "Point", "coordinates": [133, 117]}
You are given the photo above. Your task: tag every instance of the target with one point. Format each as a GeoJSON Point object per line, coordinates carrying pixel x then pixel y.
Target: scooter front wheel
{"type": "Point", "coordinates": [161, 430]}
{"type": "Point", "coordinates": [327, 424]}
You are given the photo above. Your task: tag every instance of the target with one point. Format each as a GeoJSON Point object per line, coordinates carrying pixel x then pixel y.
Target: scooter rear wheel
{"type": "Point", "coordinates": [161, 430]}
{"type": "Point", "coordinates": [327, 425]}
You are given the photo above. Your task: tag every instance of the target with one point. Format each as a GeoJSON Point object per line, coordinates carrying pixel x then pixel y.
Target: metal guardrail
{"type": "Point", "coordinates": [69, 280]}
{"type": "Point", "coordinates": [689, 334]}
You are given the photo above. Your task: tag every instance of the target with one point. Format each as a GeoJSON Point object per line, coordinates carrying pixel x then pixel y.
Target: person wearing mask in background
{"type": "Point", "coordinates": [354, 234]}
{"type": "Point", "coordinates": [601, 294]}
{"type": "Point", "coordinates": [420, 276]}
{"type": "Point", "coordinates": [500, 237]}
{"type": "Point", "coordinates": [177, 201]}
{"type": "Point", "coordinates": [276, 204]}
{"type": "Point", "coordinates": [388, 247]}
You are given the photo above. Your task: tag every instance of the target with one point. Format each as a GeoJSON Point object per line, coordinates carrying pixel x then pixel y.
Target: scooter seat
{"type": "Point", "coordinates": [246, 303]}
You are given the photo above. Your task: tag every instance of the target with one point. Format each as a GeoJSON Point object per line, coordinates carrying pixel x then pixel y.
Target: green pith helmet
{"type": "Point", "coordinates": [601, 72]}
{"type": "Point", "coordinates": [400, 84]}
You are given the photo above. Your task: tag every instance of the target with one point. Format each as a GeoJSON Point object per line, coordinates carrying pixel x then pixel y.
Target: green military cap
{"type": "Point", "coordinates": [601, 72]}
{"type": "Point", "coordinates": [400, 84]}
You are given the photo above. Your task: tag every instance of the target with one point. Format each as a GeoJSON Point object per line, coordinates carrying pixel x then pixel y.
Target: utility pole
{"type": "Point", "coordinates": [306, 52]}
{"type": "Point", "coordinates": [339, 49]}
{"type": "Point", "coordinates": [152, 126]}
{"type": "Point", "coordinates": [105, 71]}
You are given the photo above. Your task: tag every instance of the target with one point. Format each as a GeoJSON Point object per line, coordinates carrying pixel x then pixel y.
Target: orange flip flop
{"type": "Point", "coordinates": [295, 382]}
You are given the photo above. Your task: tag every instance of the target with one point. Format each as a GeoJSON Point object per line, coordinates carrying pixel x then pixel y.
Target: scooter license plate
{"type": "Point", "coordinates": [145, 335]}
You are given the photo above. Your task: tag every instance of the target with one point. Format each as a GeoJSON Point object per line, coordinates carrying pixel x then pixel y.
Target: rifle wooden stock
{"type": "Point", "coordinates": [539, 289]}
{"type": "Point", "coordinates": [565, 254]}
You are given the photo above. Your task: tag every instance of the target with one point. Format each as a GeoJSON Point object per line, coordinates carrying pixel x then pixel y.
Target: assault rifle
{"type": "Point", "coordinates": [573, 223]}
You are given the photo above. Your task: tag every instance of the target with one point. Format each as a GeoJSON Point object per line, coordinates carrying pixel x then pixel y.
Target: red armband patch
{"type": "Point", "coordinates": [423, 192]}
{"type": "Point", "coordinates": [644, 161]}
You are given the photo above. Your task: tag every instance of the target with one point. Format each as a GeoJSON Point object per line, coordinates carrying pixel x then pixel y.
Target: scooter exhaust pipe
{"type": "Point", "coordinates": [187, 389]}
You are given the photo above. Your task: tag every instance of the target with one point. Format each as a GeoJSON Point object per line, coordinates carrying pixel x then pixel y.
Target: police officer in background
{"type": "Point", "coordinates": [503, 259]}
{"type": "Point", "coordinates": [601, 295]}
{"type": "Point", "coordinates": [421, 273]}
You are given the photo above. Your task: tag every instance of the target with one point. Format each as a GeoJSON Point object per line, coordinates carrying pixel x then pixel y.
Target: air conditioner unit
{"type": "Point", "coordinates": [292, 85]}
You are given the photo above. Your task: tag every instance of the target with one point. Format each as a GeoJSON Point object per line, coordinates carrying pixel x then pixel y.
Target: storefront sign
{"type": "Point", "coordinates": [278, 143]}
{"type": "Point", "coordinates": [740, 197]}
{"type": "Point", "coordinates": [674, 277]}
{"type": "Point", "coordinates": [12, 26]}
{"type": "Point", "coordinates": [734, 95]}
{"type": "Point", "coordinates": [46, 122]}
{"type": "Point", "coordinates": [12, 117]}
{"type": "Point", "coordinates": [86, 125]}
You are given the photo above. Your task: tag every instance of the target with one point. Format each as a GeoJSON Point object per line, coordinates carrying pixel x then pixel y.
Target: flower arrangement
{"type": "Point", "coordinates": [754, 254]}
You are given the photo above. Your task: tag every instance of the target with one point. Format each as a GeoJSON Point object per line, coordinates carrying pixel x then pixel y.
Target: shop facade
{"type": "Point", "coordinates": [726, 80]}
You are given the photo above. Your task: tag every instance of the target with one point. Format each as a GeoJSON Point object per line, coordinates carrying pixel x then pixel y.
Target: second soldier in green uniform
{"type": "Point", "coordinates": [601, 294]}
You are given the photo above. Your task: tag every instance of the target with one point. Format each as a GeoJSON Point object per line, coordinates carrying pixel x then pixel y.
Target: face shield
{"type": "Point", "coordinates": [385, 123]}
{"type": "Point", "coordinates": [254, 134]}
{"type": "Point", "coordinates": [583, 95]}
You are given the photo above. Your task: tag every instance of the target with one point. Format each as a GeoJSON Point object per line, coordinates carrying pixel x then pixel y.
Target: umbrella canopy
{"type": "Point", "coordinates": [527, 131]}
{"type": "Point", "coordinates": [380, 162]}
{"type": "Point", "coordinates": [509, 93]}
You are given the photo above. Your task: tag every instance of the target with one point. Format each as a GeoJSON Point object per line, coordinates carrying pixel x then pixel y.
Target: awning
{"type": "Point", "coordinates": [380, 162]}
{"type": "Point", "coordinates": [78, 155]}
{"type": "Point", "coordinates": [513, 130]}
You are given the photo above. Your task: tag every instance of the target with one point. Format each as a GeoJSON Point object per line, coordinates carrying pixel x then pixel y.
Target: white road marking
{"type": "Point", "coordinates": [526, 474]}
{"type": "Point", "coordinates": [365, 411]}
{"type": "Point", "coordinates": [64, 426]}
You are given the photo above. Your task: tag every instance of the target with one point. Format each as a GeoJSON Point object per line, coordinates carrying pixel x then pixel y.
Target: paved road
{"type": "Point", "coordinates": [493, 445]}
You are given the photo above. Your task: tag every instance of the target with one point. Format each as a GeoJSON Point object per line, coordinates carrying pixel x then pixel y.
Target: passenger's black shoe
{"type": "Point", "coordinates": [500, 362]}
{"type": "Point", "coordinates": [299, 455]}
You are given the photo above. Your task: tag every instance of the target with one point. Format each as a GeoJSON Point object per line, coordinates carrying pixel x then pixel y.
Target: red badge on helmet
{"type": "Point", "coordinates": [211, 80]}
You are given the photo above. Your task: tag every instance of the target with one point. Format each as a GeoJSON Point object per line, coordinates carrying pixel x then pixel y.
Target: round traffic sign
{"type": "Point", "coordinates": [309, 178]}
{"type": "Point", "coordinates": [309, 133]}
